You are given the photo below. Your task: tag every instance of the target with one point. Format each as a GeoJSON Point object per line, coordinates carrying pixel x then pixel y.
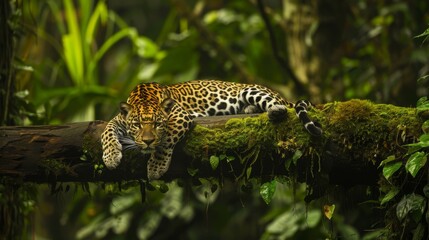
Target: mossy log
{"type": "Point", "coordinates": [357, 136]}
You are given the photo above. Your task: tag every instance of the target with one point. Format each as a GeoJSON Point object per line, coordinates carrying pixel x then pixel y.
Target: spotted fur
{"type": "Point", "coordinates": [156, 117]}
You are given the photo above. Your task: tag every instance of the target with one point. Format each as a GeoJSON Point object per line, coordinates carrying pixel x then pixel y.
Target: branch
{"type": "Point", "coordinates": [211, 39]}
{"type": "Point", "coordinates": [281, 59]}
{"type": "Point", "coordinates": [357, 136]}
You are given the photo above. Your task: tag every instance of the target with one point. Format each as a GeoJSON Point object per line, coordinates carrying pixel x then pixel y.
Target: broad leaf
{"type": "Point", "coordinates": [297, 155]}
{"type": "Point", "coordinates": [422, 105]}
{"type": "Point", "coordinates": [328, 211]}
{"type": "Point", "coordinates": [214, 161]}
{"type": "Point", "coordinates": [415, 162]}
{"type": "Point", "coordinates": [422, 102]}
{"type": "Point", "coordinates": [192, 171]}
{"type": "Point", "coordinates": [391, 194]}
{"type": "Point", "coordinates": [422, 143]}
{"type": "Point", "coordinates": [425, 126]}
{"type": "Point", "coordinates": [390, 168]}
{"type": "Point", "coordinates": [412, 205]}
{"type": "Point", "coordinates": [230, 158]}
{"type": "Point", "coordinates": [163, 188]}
{"type": "Point", "coordinates": [387, 160]}
{"type": "Point", "coordinates": [267, 191]}
{"type": "Point", "coordinates": [248, 172]}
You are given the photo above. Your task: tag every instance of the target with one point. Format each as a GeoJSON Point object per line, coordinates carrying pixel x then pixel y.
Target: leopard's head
{"type": "Point", "coordinates": [146, 123]}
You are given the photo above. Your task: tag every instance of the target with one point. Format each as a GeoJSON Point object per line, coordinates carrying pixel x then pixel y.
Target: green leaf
{"type": "Point", "coordinates": [422, 101]}
{"type": "Point", "coordinates": [19, 64]}
{"type": "Point", "coordinates": [419, 232]}
{"type": "Point", "coordinates": [391, 194]}
{"type": "Point", "coordinates": [412, 205]}
{"type": "Point", "coordinates": [425, 126]}
{"type": "Point", "coordinates": [282, 179]}
{"type": "Point", "coordinates": [329, 210]}
{"type": "Point", "coordinates": [297, 155]}
{"type": "Point", "coordinates": [313, 218]}
{"type": "Point", "coordinates": [146, 48]}
{"type": "Point", "coordinates": [174, 62]}
{"type": "Point", "coordinates": [70, 57]}
{"type": "Point", "coordinates": [287, 163]}
{"type": "Point", "coordinates": [424, 34]}
{"type": "Point", "coordinates": [422, 105]}
{"type": "Point", "coordinates": [248, 172]}
{"type": "Point", "coordinates": [230, 158]}
{"type": "Point", "coordinates": [426, 190]}
{"type": "Point", "coordinates": [192, 171]}
{"type": "Point", "coordinates": [127, 32]}
{"type": "Point", "coordinates": [100, 13]}
{"type": "Point", "coordinates": [415, 162]}
{"type": "Point", "coordinates": [214, 161]}
{"type": "Point", "coordinates": [387, 160]}
{"type": "Point", "coordinates": [58, 15]}
{"type": "Point", "coordinates": [423, 79]}
{"type": "Point", "coordinates": [91, 227]}
{"type": "Point", "coordinates": [424, 139]}
{"type": "Point", "coordinates": [72, 44]}
{"type": "Point", "coordinates": [390, 168]}
{"type": "Point", "coordinates": [163, 188]}
{"type": "Point", "coordinates": [267, 191]}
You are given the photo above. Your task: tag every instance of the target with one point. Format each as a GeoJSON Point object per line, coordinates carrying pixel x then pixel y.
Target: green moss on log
{"type": "Point", "coordinates": [359, 128]}
{"type": "Point", "coordinates": [371, 131]}
{"type": "Point", "coordinates": [244, 135]}
{"type": "Point", "coordinates": [237, 134]}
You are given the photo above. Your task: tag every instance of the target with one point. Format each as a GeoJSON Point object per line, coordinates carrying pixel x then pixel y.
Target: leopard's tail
{"type": "Point", "coordinates": [301, 108]}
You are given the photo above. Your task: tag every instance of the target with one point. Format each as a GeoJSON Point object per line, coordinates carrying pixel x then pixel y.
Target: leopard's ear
{"type": "Point", "coordinates": [125, 108]}
{"type": "Point", "coordinates": [166, 105]}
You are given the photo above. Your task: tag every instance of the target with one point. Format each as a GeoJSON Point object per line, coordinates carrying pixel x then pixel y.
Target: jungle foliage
{"type": "Point", "coordinates": [76, 60]}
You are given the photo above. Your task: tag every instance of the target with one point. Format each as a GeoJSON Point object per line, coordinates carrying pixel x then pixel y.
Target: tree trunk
{"type": "Point", "coordinates": [357, 136]}
{"type": "Point", "coordinates": [7, 73]}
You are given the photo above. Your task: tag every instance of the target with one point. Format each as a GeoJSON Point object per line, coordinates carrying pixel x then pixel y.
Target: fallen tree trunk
{"type": "Point", "coordinates": [357, 136]}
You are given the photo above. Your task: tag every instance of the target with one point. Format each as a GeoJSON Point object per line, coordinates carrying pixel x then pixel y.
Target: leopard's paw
{"type": "Point", "coordinates": [277, 113]}
{"type": "Point", "coordinates": [155, 169]}
{"type": "Point", "coordinates": [154, 175]}
{"type": "Point", "coordinates": [249, 109]}
{"type": "Point", "coordinates": [112, 157]}
{"type": "Point", "coordinates": [158, 164]}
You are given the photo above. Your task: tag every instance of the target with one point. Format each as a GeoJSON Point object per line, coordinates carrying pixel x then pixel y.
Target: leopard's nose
{"type": "Point", "coordinates": [148, 141]}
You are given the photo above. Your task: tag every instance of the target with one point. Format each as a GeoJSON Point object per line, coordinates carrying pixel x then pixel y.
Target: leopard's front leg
{"type": "Point", "coordinates": [178, 124]}
{"type": "Point", "coordinates": [112, 148]}
{"type": "Point", "coordinates": [159, 162]}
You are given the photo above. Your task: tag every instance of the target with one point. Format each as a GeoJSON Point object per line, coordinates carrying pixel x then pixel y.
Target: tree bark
{"type": "Point", "coordinates": [357, 136]}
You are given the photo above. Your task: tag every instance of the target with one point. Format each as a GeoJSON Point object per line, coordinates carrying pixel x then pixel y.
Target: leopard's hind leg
{"type": "Point", "coordinates": [261, 99]}
{"type": "Point", "coordinates": [258, 99]}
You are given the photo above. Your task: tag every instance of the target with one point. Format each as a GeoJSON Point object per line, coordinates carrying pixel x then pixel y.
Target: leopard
{"type": "Point", "coordinates": [156, 117]}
